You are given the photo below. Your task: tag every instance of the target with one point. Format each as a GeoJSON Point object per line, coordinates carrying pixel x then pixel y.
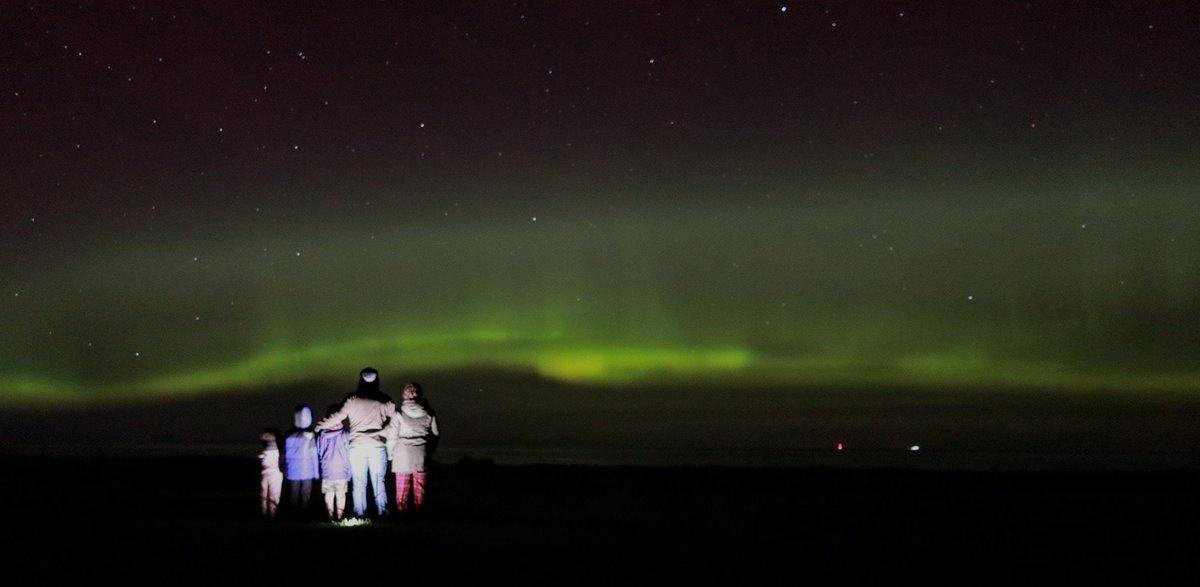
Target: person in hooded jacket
{"type": "Point", "coordinates": [366, 412]}
{"type": "Point", "coordinates": [333, 450]}
{"type": "Point", "coordinates": [412, 438]}
{"type": "Point", "coordinates": [301, 467]}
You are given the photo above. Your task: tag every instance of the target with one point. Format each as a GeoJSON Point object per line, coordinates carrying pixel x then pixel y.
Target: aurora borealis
{"type": "Point", "coordinates": [963, 196]}
{"type": "Point", "coordinates": [867, 292]}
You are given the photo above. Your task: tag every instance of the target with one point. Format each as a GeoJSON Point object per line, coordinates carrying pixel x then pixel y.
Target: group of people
{"type": "Point", "coordinates": [351, 450]}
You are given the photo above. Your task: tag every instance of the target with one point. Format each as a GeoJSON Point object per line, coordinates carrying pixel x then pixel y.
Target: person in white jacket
{"type": "Point", "coordinates": [412, 439]}
{"type": "Point", "coordinates": [366, 413]}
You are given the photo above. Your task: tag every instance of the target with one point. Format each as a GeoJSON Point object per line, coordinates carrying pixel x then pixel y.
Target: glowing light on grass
{"type": "Point", "coordinates": [351, 523]}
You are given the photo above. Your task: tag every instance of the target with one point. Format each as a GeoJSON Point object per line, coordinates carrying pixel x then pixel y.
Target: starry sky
{"type": "Point", "coordinates": [992, 199]}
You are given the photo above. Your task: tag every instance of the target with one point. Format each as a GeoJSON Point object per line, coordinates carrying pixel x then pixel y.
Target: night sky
{"type": "Point", "coordinates": [764, 203]}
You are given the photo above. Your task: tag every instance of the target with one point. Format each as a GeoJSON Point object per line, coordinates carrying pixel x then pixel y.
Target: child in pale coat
{"type": "Point", "coordinates": [272, 475]}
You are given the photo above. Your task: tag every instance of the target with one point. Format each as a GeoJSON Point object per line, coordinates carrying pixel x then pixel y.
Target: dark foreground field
{"type": "Point", "coordinates": [195, 520]}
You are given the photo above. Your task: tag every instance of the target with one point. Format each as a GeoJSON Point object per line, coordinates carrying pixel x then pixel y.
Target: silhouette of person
{"type": "Point", "coordinates": [272, 475]}
{"type": "Point", "coordinates": [412, 439]}
{"type": "Point", "coordinates": [333, 451]}
{"type": "Point", "coordinates": [366, 411]}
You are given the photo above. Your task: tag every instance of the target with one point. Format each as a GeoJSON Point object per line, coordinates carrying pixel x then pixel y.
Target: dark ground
{"type": "Point", "coordinates": [188, 520]}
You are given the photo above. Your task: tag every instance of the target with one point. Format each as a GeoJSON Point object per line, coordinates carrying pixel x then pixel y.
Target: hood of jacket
{"type": "Point", "coordinates": [302, 418]}
{"type": "Point", "coordinates": [413, 408]}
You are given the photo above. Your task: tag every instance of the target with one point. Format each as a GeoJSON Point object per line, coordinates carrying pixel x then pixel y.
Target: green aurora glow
{"type": "Point", "coordinates": [968, 292]}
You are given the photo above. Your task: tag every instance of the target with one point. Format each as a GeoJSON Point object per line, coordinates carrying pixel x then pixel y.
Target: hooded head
{"type": "Point", "coordinates": [368, 381]}
{"type": "Point", "coordinates": [302, 417]}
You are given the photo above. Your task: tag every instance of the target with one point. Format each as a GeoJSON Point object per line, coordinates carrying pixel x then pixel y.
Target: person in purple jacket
{"type": "Point", "coordinates": [301, 467]}
{"type": "Point", "coordinates": [333, 452]}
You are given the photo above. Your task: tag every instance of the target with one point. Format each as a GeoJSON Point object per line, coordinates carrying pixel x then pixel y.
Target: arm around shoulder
{"type": "Point", "coordinates": [331, 419]}
{"type": "Point", "coordinates": [391, 431]}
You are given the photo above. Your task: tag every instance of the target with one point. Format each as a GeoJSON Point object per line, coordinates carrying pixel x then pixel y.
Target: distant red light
{"type": "Point", "coordinates": [839, 446]}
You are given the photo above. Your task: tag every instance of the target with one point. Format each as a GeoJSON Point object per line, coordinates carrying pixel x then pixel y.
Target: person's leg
{"type": "Point", "coordinates": [378, 467]}
{"type": "Point", "coordinates": [359, 459]}
{"type": "Point", "coordinates": [295, 498]}
{"type": "Point", "coordinates": [417, 457]}
{"type": "Point", "coordinates": [274, 488]}
{"type": "Point", "coordinates": [276, 493]}
{"type": "Point", "coordinates": [403, 485]}
{"type": "Point", "coordinates": [329, 497]}
{"type": "Point", "coordinates": [404, 467]}
{"type": "Point", "coordinates": [265, 494]}
{"type": "Point", "coordinates": [418, 488]}
{"type": "Point", "coordinates": [339, 504]}
{"type": "Point", "coordinates": [381, 486]}
{"type": "Point", "coordinates": [306, 491]}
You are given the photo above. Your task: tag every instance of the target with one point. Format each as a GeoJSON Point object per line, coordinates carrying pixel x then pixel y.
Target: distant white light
{"type": "Point", "coordinates": [914, 448]}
